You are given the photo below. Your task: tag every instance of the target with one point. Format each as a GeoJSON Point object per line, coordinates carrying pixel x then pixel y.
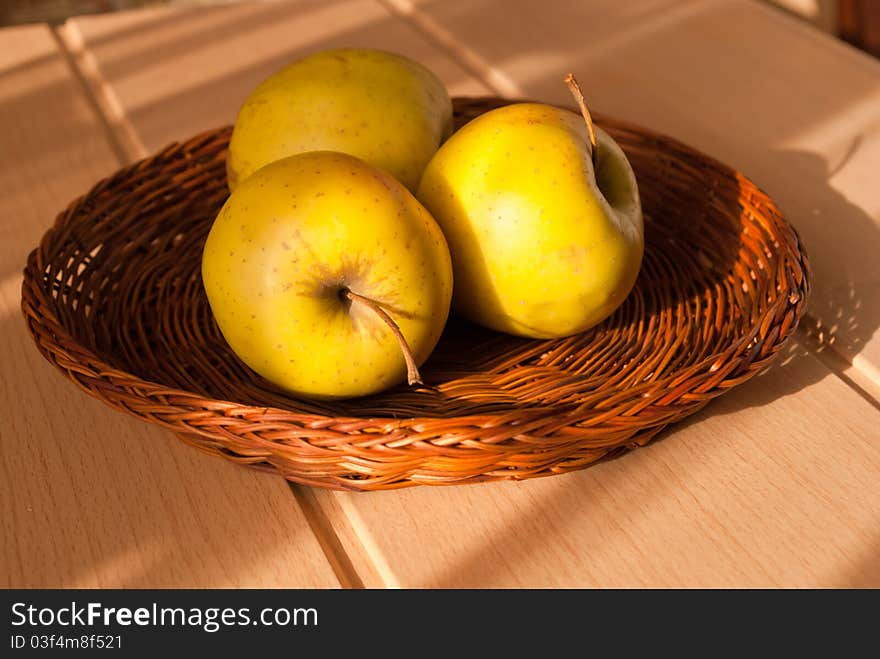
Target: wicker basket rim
{"type": "Point", "coordinates": [174, 397]}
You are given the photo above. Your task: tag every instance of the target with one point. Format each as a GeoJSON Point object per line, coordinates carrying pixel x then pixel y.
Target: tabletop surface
{"type": "Point", "coordinates": [775, 484]}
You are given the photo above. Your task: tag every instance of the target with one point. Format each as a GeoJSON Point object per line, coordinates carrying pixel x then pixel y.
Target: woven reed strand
{"type": "Point", "coordinates": [113, 298]}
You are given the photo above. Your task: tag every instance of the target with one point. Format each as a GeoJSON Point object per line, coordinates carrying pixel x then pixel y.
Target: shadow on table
{"type": "Point", "coordinates": [844, 318]}
{"type": "Point", "coordinates": [867, 573]}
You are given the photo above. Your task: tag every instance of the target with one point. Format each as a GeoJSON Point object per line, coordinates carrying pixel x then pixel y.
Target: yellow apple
{"type": "Point", "coordinates": [381, 107]}
{"type": "Point", "coordinates": [308, 261]}
{"type": "Point", "coordinates": [546, 236]}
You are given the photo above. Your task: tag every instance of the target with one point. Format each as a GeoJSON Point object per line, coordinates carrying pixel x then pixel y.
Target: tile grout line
{"type": "Point", "coordinates": [325, 532]}
{"type": "Point", "coordinates": [376, 566]}
{"type": "Point", "coordinates": [498, 81]}
{"type": "Point", "coordinates": [837, 364]}
{"type": "Point", "coordinates": [807, 31]}
{"type": "Point", "coordinates": [121, 134]}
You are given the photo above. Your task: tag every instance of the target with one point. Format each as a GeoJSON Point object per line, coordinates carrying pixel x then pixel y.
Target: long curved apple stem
{"type": "Point", "coordinates": [575, 88]}
{"type": "Point", "coordinates": [412, 371]}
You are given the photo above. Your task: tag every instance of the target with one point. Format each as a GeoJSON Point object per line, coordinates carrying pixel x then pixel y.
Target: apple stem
{"type": "Point", "coordinates": [575, 88]}
{"type": "Point", "coordinates": [412, 371]}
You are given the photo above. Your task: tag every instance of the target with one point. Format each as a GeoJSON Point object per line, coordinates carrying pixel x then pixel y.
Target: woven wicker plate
{"type": "Point", "coordinates": [113, 298]}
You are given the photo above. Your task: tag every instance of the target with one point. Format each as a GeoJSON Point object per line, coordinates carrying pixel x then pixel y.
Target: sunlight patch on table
{"type": "Point", "coordinates": [128, 566]}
